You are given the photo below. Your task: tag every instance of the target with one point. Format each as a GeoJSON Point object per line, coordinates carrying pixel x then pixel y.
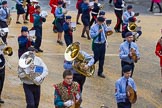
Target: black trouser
{"type": "Point", "coordinates": [152, 4]}
{"type": "Point", "coordinates": [2, 78]}
{"type": "Point", "coordinates": [32, 94]}
{"type": "Point", "coordinates": [110, 1]}
{"type": "Point", "coordinates": [38, 35]}
{"type": "Point", "coordinates": [27, 12]}
{"type": "Point", "coordinates": [124, 105]}
{"type": "Point", "coordinates": [118, 14]}
{"type": "Point", "coordinates": [94, 17]}
{"type": "Point", "coordinates": [123, 63]}
{"type": "Point", "coordinates": [68, 39]}
{"type": "Point", "coordinates": [99, 55]}
{"type": "Point", "coordinates": [80, 79]}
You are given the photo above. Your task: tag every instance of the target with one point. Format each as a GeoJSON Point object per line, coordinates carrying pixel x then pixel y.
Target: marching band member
{"type": "Point", "coordinates": [94, 13]}
{"type": "Point", "coordinates": [2, 74]}
{"type": "Point", "coordinates": [53, 4]}
{"type": "Point", "coordinates": [59, 21]}
{"type": "Point", "coordinates": [128, 14]}
{"type": "Point", "coordinates": [158, 52]}
{"type": "Point", "coordinates": [38, 21]}
{"type": "Point", "coordinates": [20, 11]}
{"type": "Point", "coordinates": [32, 87]}
{"type": "Point", "coordinates": [130, 17]}
{"type": "Point", "coordinates": [152, 5]}
{"type": "Point", "coordinates": [121, 93]}
{"type": "Point", "coordinates": [27, 12]}
{"type": "Point", "coordinates": [32, 9]}
{"type": "Point", "coordinates": [68, 31]}
{"type": "Point", "coordinates": [78, 6]}
{"type": "Point", "coordinates": [97, 33]}
{"type": "Point", "coordinates": [85, 18]}
{"type": "Point", "coordinates": [118, 4]}
{"type": "Point", "coordinates": [136, 34]}
{"type": "Point", "coordinates": [126, 54]}
{"type": "Point", "coordinates": [4, 13]}
{"type": "Point", "coordinates": [79, 78]}
{"type": "Point", "coordinates": [23, 41]}
{"type": "Point", "coordinates": [67, 93]}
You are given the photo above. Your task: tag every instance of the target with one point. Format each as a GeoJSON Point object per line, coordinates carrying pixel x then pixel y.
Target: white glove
{"type": "Point", "coordinates": [38, 79]}
{"type": "Point", "coordinates": [68, 103]}
{"type": "Point", "coordinates": [78, 96]}
{"type": "Point", "coordinates": [22, 75]}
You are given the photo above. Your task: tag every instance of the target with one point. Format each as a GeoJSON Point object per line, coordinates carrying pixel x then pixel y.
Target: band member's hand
{"type": "Point", "coordinates": [128, 94]}
{"type": "Point", "coordinates": [22, 75]}
{"type": "Point", "coordinates": [86, 67]}
{"type": "Point", "coordinates": [38, 79]}
{"type": "Point", "coordinates": [100, 31]}
{"type": "Point", "coordinates": [68, 103]}
{"type": "Point", "coordinates": [130, 54]}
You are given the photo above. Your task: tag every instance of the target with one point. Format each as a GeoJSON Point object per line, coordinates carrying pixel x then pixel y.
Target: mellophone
{"type": "Point", "coordinates": [28, 69]}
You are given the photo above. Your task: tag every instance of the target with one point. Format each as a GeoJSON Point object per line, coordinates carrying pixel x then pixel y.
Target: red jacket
{"type": "Point", "coordinates": [158, 50]}
{"type": "Point", "coordinates": [31, 12]}
{"type": "Point", "coordinates": [78, 3]}
{"type": "Point", "coordinates": [51, 3]}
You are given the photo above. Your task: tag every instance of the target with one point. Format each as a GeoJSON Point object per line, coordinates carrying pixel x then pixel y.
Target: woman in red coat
{"type": "Point", "coordinates": [158, 51]}
{"type": "Point", "coordinates": [158, 3]}
{"type": "Point", "coordinates": [32, 10]}
{"type": "Point", "coordinates": [78, 6]}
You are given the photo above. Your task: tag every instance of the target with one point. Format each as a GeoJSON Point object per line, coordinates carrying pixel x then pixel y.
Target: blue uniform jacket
{"type": "Point", "coordinates": [120, 88]}
{"type": "Point", "coordinates": [124, 51]}
{"type": "Point", "coordinates": [67, 30]}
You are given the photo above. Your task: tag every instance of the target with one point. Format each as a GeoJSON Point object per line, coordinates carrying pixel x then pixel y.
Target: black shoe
{"type": "Point", "coordinates": [40, 50]}
{"type": "Point", "coordinates": [1, 101]}
{"type": "Point", "coordinates": [25, 22]}
{"type": "Point", "coordinates": [117, 31]}
{"type": "Point", "coordinates": [78, 23]}
{"type": "Point", "coordinates": [101, 75]}
{"type": "Point", "coordinates": [18, 22]}
{"type": "Point", "coordinates": [83, 36]}
{"type": "Point", "coordinates": [60, 42]}
{"type": "Point", "coordinates": [55, 31]}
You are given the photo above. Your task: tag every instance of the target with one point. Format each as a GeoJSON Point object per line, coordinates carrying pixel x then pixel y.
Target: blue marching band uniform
{"type": "Point", "coordinates": [68, 31]}
{"type": "Point", "coordinates": [129, 17]}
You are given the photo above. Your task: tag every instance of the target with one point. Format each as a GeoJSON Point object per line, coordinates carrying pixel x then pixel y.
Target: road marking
{"type": "Point", "coordinates": [61, 54]}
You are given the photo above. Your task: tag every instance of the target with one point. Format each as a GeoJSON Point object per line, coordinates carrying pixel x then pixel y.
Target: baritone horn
{"type": "Point", "coordinates": [132, 26]}
{"type": "Point", "coordinates": [72, 53]}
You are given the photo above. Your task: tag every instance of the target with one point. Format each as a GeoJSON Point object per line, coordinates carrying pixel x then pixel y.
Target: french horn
{"type": "Point", "coordinates": [72, 53]}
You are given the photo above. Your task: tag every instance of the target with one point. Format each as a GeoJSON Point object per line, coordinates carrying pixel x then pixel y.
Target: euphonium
{"type": "Point", "coordinates": [72, 53]}
{"type": "Point", "coordinates": [132, 26]}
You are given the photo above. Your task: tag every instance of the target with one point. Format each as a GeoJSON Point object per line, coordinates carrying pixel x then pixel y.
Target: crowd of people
{"type": "Point", "coordinates": [68, 93]}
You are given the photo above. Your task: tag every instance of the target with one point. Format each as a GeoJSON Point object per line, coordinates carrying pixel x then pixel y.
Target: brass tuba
{"type": "Point", "coordinates": [132, 26]}
{"type": "Point", "coordinates": [72, 53]}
